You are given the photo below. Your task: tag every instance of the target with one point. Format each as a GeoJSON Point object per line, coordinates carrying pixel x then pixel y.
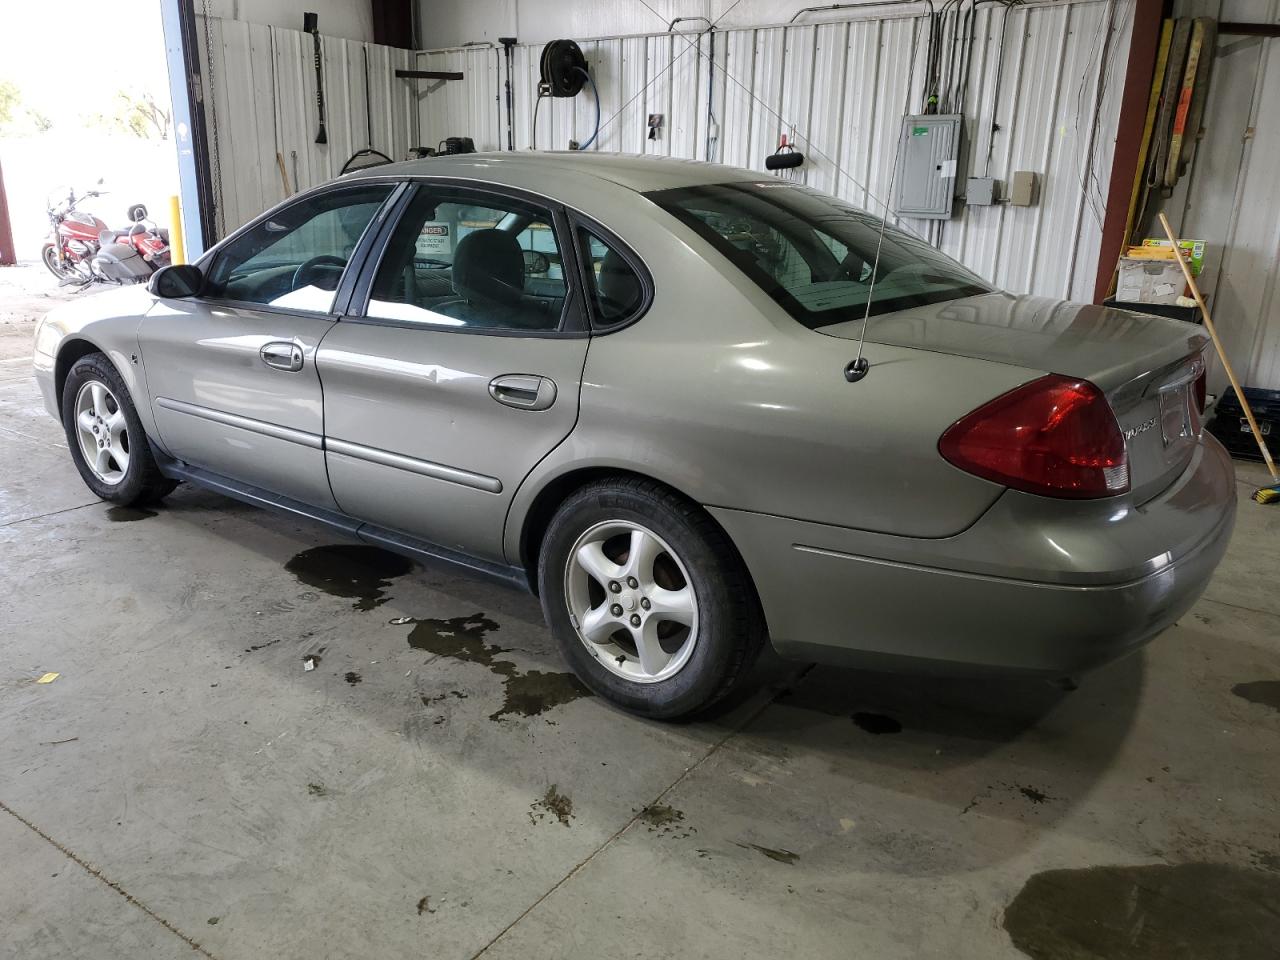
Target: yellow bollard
{"type": "Point", "coordinates": [177, 249]}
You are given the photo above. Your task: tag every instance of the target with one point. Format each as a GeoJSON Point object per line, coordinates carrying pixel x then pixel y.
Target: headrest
{"type": "Point", "coordinates": [488, 267]}
{"type": "Point", "coordinates": [619, 284]}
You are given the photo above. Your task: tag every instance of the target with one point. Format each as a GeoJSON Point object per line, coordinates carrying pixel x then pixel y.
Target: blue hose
{"type": "Point", "coordinates": [596, 131]}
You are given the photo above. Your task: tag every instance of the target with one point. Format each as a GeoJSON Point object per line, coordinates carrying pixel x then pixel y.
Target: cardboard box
{"type": "Point", "coordinates": [1192, 252]}
{"type": "Point", "coordinates": [1144, 280]}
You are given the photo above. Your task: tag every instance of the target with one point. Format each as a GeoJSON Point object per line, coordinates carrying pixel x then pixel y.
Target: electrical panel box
{"type": "Point", "coordinates": [1024, 189]}
{"type": "Point", "coordinates": [980, 192]}
{"type": "Point", "coordinates": [929, 150]}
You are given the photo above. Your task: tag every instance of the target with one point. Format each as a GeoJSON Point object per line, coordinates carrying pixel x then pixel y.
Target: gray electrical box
{"type": "Point", "coordinates": [980, 192]}
{"type": "Point", "coordinates": [929, 150]}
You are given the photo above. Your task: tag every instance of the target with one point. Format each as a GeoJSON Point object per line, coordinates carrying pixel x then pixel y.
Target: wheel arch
{"type": "Point", "coordinates": [557, 489]}
{"type": "Point", "coordinates": [71, 350]}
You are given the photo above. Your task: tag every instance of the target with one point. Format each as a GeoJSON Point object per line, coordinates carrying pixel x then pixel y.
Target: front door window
{"type": "Point", "coordinates": [295, 258]}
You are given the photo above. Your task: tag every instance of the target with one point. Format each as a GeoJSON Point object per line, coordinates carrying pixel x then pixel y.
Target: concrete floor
{"type": "Point", "coordinates": [437, 787]}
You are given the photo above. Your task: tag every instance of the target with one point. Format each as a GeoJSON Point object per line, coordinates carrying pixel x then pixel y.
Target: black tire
{"type": "Point", "coordinates": [730, 623]}
{"type": "Point", "coordinates": [141, 482]}
{"type": "Point", "coordinates": [49, 257]}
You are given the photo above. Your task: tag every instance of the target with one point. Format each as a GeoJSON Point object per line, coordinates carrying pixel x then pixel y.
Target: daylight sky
{"type": "Point", "coordinates": [70, 57]}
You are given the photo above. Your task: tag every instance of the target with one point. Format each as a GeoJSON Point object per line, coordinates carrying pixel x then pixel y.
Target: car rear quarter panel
{"type": "Point", "coordinates": [717, 393]}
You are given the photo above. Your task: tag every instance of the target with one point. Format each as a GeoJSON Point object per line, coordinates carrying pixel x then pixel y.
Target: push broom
{"type": "Point", "coordinates": [1269, 494]}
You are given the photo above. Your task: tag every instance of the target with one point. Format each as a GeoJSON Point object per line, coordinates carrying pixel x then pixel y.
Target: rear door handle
{"type": "Point", "coordinates": [523, 391]}
{"type": "Point", "coordinates": [282, 355]}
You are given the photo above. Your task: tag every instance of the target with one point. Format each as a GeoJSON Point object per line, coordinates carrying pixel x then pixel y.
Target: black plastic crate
{"type": "Point", "coordinates": [1231, 427]}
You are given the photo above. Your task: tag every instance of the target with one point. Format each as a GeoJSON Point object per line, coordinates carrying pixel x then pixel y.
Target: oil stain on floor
{"type": "Point", "coordinates": [526, 694]}
{"type": "Point", "coordinates": [552, 803]}
{"type": "Point", "coordinates": [1265, 692]}
{"type": "Point", "coordinates": [877, 723]}
{"type": "Point", "coordinates": [356, 571]}
{"type": "Point", "coordinates": [782, 856]}
{"type": "Point", "coordinates": [1186, 911]}
{"type": "Point", "coordinates": [129, 514]}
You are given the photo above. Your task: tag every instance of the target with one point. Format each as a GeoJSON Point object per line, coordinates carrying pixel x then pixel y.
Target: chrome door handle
{"type": "Point", "coordinates": [282, 355]}
{"type": "Point", "coordinates": [523, 391]}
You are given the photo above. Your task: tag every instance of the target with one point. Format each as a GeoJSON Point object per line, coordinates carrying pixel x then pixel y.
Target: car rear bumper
{"type": "Point", "coordinates": [993, 598]}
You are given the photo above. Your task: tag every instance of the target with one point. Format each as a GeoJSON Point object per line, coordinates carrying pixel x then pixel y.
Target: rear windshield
{"type": "Point", "coordinates": [813, 254]}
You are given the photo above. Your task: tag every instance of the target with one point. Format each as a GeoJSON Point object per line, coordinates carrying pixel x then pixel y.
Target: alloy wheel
{"type": "Point", "coordinates": [102, 431]}
{"type": "Point", "coordinates": [631, 601]}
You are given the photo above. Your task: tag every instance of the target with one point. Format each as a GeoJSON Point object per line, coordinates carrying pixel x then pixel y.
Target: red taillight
{"type": "Point", "coordinates": [1054, 436]}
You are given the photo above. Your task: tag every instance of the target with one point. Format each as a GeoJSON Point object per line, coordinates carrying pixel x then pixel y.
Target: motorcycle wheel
{"type": "Point", "coordinates": [50, 257]}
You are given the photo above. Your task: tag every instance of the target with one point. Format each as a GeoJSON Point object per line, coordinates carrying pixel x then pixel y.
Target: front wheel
{"type": "Point", "coordinates": [648, 599]}
{"type": "Point", "coordinates": [107, 441]}
{"type": "Point", "coordinates": [49, 256]}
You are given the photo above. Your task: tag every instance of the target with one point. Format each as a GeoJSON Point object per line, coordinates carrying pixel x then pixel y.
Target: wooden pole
{"type": "Point", "coordinates": [1222, 353]}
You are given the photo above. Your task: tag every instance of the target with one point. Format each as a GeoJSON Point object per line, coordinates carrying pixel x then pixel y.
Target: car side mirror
{"type": "Point", "coordinates": [177, 281]}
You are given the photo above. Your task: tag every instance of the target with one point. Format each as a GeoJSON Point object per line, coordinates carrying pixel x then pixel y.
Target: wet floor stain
{"type": "Point", "coordinates": [460, 638]}
{"type": "Point", "coordinates": [1175, 912]}
{"type": "Point", "coordinates": [455, 694]}
{"type": "Point", "coordinates": [424, 906]}
{"type": "Point", "coordinates": [525, 694]}
{"type": "Point", "coordinates": [212, 921]}
{"type": "Point", "coordinates": [665, 820]}
{"type": "Point", "coordinates": [1000, 792]}
{"type": "Point", "coordinates": [533, 693]}
{"type": "Point", "coordinates": [552, 803]}
{"type": "Point", "coordinates": [782, 856]}
{"type": "Point", "coordinates": [657, 815]}
{"type": "Point", "coordinates": [355, 571]}
{"type": "Point", "coordinates": [877, 723]}
{"type": "Point", "coordinates": [1264, 692]}
{"type": "Point", "coordinates": [129, 514]}
{"type": "Point", "coordinates": [353, 678]}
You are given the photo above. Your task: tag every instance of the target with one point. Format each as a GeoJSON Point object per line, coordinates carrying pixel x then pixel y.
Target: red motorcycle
{"type": "Point", "coordinates": [82, 249]}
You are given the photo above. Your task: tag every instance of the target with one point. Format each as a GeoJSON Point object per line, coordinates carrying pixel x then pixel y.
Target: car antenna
{"type": "Point", "coordinates": [859, 365]}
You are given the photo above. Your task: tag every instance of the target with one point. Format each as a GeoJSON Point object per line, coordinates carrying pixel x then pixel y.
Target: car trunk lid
{"type": "Point", "coordinates": [1146, 365]}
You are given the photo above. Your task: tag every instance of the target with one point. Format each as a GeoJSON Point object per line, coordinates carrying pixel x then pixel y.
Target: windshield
{"type": "Point", "coordinates": [813, 254]}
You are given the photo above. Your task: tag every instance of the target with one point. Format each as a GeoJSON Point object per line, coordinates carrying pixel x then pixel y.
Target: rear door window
{"type": "Point", "coordinates": [472, 261]}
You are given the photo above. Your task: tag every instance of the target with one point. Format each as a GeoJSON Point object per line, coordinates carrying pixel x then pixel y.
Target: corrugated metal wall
{"type": "Point", "coordinates": [1231, 195]}
{"type": "Point", "coordinates": [1043, 95]}
{"type": "Point", "coordinates": [260, 100]}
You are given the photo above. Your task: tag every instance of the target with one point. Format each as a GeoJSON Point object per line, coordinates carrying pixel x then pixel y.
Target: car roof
{"type": "Point", "coordinates": [545, 171]}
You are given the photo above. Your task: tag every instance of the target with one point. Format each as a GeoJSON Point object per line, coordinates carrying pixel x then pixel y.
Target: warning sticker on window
{"type": "Point", "coordinates": [434, 239]}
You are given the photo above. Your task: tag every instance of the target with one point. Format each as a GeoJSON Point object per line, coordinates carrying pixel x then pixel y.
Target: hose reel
{"type": "Point", "coordinates": [563, 68]}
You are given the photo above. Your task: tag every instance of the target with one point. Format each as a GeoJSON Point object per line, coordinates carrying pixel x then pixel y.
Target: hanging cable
{"type": "Point", "coordinates": [596, 132]}
{"type": "Point", "coordinates": [533, 135]}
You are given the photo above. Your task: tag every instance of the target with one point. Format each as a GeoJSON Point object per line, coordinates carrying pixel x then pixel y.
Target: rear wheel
{"type": "Point", "coordinates": [107, 441]}
{"type": "Point", "coordinates": [648, 599]}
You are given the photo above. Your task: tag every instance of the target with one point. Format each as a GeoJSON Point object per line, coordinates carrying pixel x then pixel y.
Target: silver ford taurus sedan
{"type": "Point", "coordinates": [630, 385]}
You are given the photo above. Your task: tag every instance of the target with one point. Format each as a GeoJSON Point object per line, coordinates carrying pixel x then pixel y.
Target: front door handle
{"type": "Point", "coordinates": [282, 355]}
{"type": "Point", "coordinates": [523, 391]}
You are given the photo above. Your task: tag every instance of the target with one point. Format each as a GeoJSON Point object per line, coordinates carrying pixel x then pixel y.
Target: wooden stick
{"type": "Point", "coordinates": [1222, 353]}
{"type": "Point", "coordinates": [284, 177]}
